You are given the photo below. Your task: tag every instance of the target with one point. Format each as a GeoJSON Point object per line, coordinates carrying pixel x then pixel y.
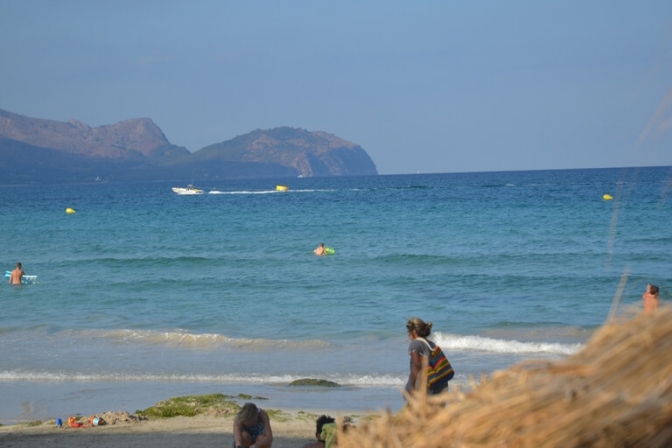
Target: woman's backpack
{"type": "Point", "coordinates": [438, 366]}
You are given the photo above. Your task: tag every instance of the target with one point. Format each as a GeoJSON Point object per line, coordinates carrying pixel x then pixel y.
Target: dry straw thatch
{"type": "Point", "coordinates": [616, 392]}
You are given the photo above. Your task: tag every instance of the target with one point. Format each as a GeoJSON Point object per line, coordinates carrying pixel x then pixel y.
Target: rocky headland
{"type": "Point", "coordinates": [34, 150]}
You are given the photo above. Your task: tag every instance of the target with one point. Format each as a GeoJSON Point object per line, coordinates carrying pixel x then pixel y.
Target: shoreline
{"type": "Point", "coordinates": [25, 401]}
{"type": "Point", "coordinates": [174, 432]}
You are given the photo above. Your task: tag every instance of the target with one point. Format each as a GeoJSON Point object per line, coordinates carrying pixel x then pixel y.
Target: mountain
{"type": "Point", "coordinates": [130, 139]}
{"type": "Point", "coordinates": [309, 153]}
{"type": "Point", "coordinates": [35, 150]}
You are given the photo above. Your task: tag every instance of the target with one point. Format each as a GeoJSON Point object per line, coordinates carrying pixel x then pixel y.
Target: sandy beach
{"type": "Point", "coordinates": [199, 431]}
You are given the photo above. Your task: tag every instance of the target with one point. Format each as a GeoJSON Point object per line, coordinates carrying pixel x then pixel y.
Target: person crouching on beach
{"type": "Point", "coordinates": [252, 428]}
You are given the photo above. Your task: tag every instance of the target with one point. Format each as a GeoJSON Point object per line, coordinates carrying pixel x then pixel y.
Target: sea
{"type": "Point", "coordinates": [143, 294]}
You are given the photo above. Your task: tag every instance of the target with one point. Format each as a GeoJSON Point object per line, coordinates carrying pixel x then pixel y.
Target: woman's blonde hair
{"type": "Point", "coordinates": [419, 326]}
{"type": "Point", "coordinates": [247, 413]}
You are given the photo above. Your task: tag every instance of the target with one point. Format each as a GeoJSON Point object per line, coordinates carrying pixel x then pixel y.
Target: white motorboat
{"type": "Point", "coordinates": [189, 190]}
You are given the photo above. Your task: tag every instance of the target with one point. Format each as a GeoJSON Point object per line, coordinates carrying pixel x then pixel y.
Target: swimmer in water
{"type": "Point", "coordinates": [17, 275]}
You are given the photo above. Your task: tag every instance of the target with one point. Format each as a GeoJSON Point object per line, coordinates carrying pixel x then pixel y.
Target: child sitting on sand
{"type": "Point", "coordinates": [321, 421]}
{"type": "Point", "coordinates": [326, 431]}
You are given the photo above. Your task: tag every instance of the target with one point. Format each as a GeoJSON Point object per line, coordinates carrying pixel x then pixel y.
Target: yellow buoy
{"type": "Point", "coordinates": [69, 211]}
{"type": "Point", "coordinates": [281, 187]}
{"type": "Point", "coordinates": [607, 197]}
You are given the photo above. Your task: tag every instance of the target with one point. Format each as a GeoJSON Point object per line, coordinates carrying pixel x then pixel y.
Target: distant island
{"type": "Point", "coordinates": [39, 151]}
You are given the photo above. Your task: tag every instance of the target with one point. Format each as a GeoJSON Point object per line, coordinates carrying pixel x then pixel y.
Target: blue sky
{"type": "Point", "coordinates": [429, 86]}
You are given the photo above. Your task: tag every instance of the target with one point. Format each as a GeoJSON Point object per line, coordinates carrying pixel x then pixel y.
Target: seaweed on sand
{"type": "Point", "coordinates": [192, 405]}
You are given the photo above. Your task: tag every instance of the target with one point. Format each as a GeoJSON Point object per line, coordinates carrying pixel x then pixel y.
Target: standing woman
{"type": "Point", "coordinates": [419, 347]}
{"type": "Point", "coordinates": [252, 428]}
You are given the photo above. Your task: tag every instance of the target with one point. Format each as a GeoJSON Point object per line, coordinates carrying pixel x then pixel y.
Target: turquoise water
{"type": "Point", "coordinates": [145, 294]}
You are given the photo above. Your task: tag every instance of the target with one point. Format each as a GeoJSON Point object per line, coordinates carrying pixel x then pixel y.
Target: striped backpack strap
{"type": "Point", "coordinates": [438, 366]}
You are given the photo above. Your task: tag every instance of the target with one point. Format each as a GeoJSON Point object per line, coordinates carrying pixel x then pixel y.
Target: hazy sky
{"type": "Point", "coordinates": [429, 86]}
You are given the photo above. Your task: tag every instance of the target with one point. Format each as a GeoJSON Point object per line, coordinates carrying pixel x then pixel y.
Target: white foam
{"type": "Point", "coordinates": [186, 339]}
{"type": "Point", "coordinates": [246, 192]}
{"type": "Point", "coordinates": [239, 378]}
{"type": "Point", "coordinates": [453, 342]}
{"type": "Point", "coordinates": [264, 191]}
{"type": "Point", "coordinates": [206, 341]}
